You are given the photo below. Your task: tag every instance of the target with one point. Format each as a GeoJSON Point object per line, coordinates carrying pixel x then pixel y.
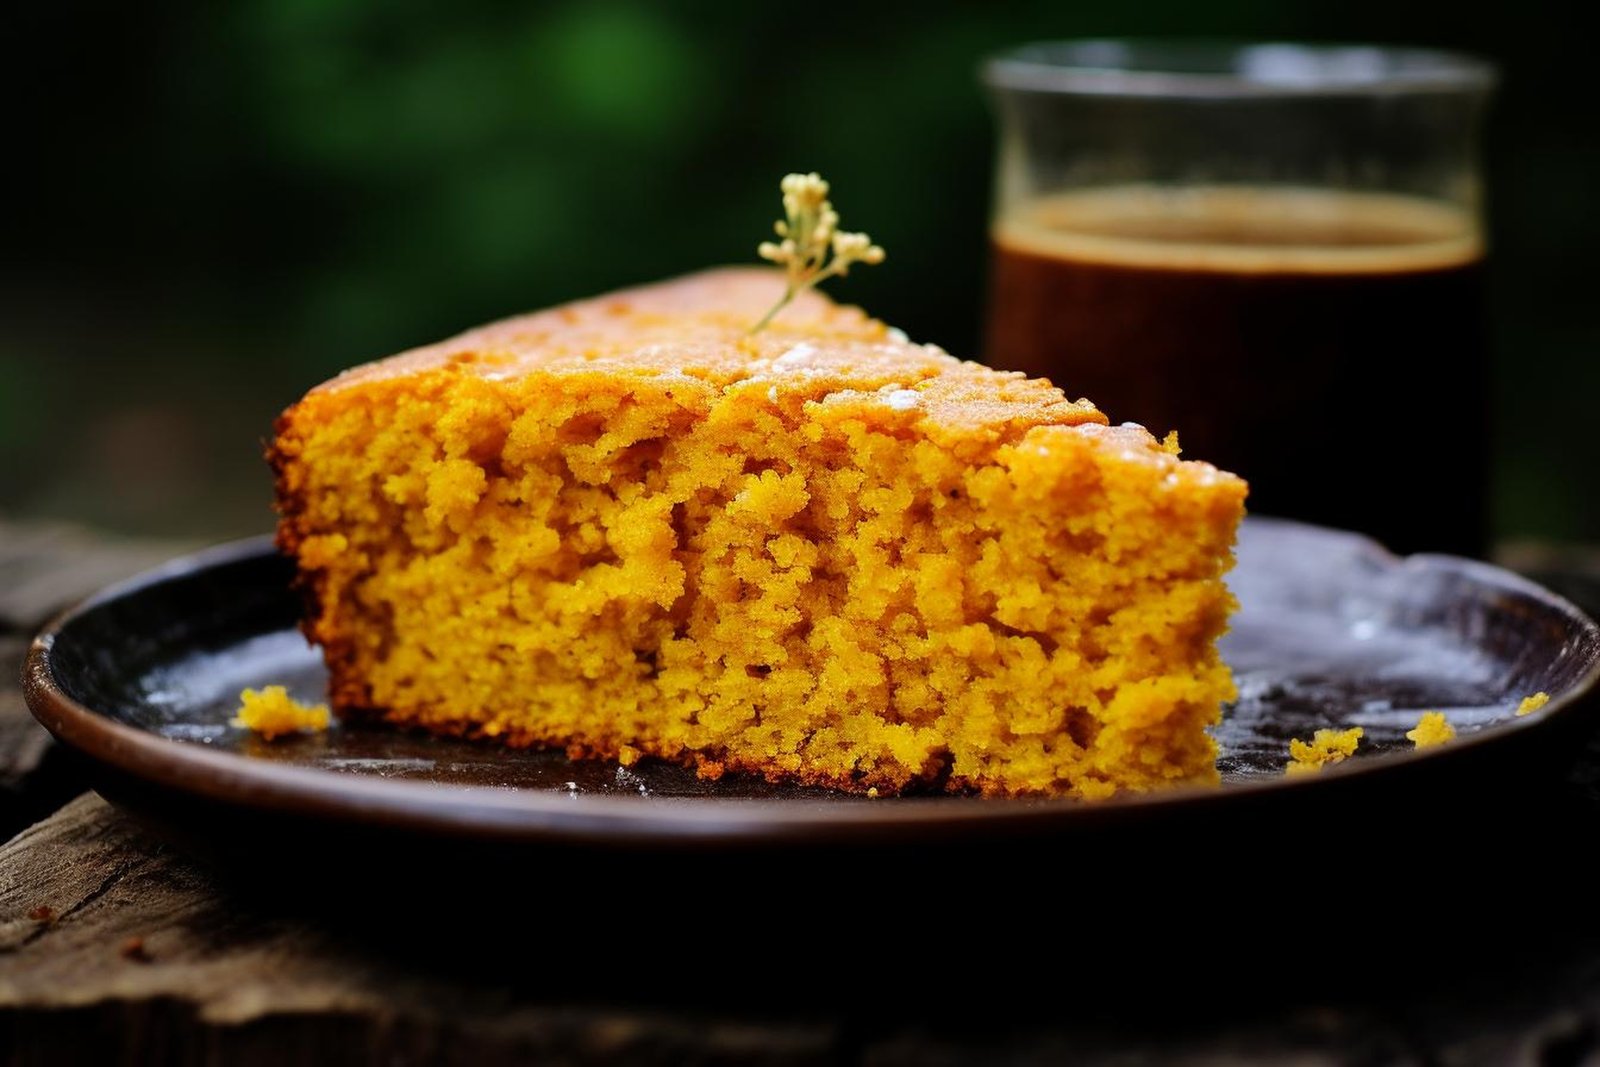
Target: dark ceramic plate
{"type": "Point", "coordinates": [1332, 632]}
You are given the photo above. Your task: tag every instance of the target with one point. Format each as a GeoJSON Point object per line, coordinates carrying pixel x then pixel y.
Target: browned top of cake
{"type": "Point", "coordinates": [696, 328]}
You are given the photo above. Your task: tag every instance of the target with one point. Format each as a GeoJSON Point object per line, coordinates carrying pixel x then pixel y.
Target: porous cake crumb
{"type": "Point", "coordinates": [1432, 729]}
{"type": "Point", "coordinates": [630, 528]}
{"type": "Point", "coordinates": [1325, 747]}
{"type": "Point", "coordinates": [272, 712]}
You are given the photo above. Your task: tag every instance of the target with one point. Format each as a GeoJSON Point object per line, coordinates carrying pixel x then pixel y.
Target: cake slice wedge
{"type": "Point", "coordinates": [821, 553]}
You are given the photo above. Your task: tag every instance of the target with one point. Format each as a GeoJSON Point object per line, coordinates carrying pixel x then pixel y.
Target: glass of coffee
{"type": "Point", "coordinates": [1274, 249]}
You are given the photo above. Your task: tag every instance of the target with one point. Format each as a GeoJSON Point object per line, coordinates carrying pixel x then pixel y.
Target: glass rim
{"type": "Point", "coordinates": [1201, 67]}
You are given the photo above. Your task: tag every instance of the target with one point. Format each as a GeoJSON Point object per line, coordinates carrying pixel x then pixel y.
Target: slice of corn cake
{"type": "Point", "coordinates": [626, 527]}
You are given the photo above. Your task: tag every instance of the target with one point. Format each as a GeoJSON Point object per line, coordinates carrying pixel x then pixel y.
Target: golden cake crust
{"type": "Point", "coordinates": [695, 329]}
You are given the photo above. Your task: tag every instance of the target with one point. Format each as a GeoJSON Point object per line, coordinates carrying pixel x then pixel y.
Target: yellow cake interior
{"type": "Point", "coordinates": [785, 555]}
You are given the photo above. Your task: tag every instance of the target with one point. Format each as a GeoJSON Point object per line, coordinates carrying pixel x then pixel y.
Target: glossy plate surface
{"type": "Point", "coordinates": [1332, 632]}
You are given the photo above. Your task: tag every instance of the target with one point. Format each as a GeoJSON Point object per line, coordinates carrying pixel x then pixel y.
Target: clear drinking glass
{"type": "Point", "coordinates": [1275, 249]}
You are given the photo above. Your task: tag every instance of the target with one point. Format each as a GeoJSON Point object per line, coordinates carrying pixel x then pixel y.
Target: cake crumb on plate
{"type": "Point", "coordinates": [272, 712]}
{"type": "Point", "coordinates": [1432, 729]}
{"type": "Point", "coordinates": [1325, 746]}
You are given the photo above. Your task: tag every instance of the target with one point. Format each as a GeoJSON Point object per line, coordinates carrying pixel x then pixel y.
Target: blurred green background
{"type": "Point", "coordinates": [216, 205]}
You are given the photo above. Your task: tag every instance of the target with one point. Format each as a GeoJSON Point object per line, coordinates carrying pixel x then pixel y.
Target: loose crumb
{"type": "Point", "coordinates": [1432, 729]}
{"type": "Point", "coordinates": [133, 949]}
{"type": "Point", "coordinates": [1326, 746]}
{"type": "Point", "coordinates": [1532, 704]}
{"type": "Point", "coordinates": [272, 713]}
{"type": "Point", "coordinates": [44, 913]}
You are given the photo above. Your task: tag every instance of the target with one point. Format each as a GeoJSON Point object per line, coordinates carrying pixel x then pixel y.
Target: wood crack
{"type": "Point", "coordinates": [106, 884]}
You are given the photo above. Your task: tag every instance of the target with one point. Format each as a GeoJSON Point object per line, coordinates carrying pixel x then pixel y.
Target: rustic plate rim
{"type": "Point", "coordinates": [550, 817]}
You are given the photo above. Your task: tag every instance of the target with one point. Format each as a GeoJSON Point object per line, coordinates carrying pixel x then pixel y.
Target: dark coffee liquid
{"type": "Point", "coordinates": [1327, 347]}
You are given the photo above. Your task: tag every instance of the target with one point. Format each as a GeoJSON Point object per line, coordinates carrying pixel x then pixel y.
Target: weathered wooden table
{"type": "Point", "coordinates": [117, 946]}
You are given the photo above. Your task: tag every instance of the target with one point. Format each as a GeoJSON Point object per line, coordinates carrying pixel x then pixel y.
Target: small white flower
{"type": "Point", "coordinates": [810, 233]}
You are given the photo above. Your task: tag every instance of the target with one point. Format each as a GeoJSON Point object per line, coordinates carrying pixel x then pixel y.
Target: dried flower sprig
{"type": "Point", "coordinates": [809, 233]}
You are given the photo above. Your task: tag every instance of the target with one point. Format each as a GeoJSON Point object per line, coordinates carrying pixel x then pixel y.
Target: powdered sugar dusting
{"type": "Point", "coordinates": [902, 399]}
{"type": "Point", "coordinates": [800, 353]}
